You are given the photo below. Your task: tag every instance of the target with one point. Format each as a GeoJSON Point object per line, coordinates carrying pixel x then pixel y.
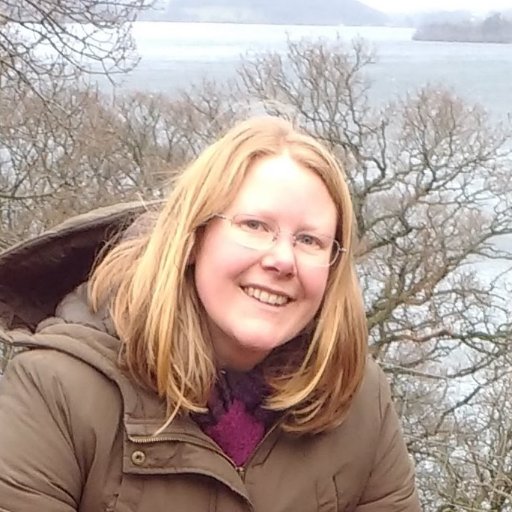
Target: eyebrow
{"type": "Point", "coordinates": [265, 214]}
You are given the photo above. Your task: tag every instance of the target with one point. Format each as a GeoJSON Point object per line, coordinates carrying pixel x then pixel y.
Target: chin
{"type": "Point", "coordinates": [241, 366]}
{"type": "Point", "coordinates": [249, 352]}
{"type": "Point", "coordinates": [260, 344]}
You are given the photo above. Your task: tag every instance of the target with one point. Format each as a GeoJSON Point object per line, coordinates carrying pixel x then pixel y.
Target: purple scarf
{"type": "Point", "coordinates": [236, 420]}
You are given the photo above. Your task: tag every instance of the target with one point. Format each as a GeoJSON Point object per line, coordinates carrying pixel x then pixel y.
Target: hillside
{"type": "Point", "coordinates": [301, 12]}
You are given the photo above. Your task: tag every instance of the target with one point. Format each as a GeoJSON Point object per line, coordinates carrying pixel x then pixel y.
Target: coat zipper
{"type": "Point", "coordinates": [189, 439]}
{"type": "Point", "coordinates": [241, 470]}
{"type": "Point", "coordinates": [185, 438]}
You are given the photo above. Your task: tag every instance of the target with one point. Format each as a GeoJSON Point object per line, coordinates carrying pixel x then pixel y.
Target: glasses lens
{"type": "Point", "coordinates": [319, 255]}
{"type": "Point", "coordinates": [260, 234]}
{"type": "Point", "coordinates": [253, 232]}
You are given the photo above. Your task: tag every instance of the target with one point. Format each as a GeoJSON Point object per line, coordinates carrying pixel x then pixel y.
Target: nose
{"type": "Point", "coordinates": [280, 257]}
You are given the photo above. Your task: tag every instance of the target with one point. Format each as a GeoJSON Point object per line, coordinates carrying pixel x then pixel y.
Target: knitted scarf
{"type": "Point", "coordinates": [236, 420]}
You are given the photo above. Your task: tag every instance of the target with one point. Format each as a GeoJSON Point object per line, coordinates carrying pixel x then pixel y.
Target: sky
{"type": "Point", "coordinates": [438, 5]}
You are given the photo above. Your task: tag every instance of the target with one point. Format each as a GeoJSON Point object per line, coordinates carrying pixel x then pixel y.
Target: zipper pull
{"type": "Point", "coordinates": [241, 472]}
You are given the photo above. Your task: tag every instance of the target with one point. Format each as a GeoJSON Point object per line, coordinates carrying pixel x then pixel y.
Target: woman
{"type": "Point", "coordinates": [215, 359]}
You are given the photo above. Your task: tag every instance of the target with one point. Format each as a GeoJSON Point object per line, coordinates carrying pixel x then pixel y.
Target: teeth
{"type": "Point", "coordinates": [266, 297]}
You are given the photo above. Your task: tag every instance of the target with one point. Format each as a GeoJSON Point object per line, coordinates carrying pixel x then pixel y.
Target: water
{"type": "Point", "coordinates": [174, 55]}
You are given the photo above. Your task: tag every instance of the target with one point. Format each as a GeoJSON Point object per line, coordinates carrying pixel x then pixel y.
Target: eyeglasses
{"type": "Point", "coordinates": [261, 235]}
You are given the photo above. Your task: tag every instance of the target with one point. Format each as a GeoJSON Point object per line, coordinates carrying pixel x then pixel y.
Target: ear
{"type": "Point", "coordinates": [192, 256]}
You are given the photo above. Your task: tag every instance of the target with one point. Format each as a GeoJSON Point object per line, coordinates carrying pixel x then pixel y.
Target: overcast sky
{"type": "Point", "coordinates": [434, 5]}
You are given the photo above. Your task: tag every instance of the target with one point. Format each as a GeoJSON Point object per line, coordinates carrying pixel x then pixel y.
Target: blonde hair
{"type": "Point", "coordinates": [147, 282]}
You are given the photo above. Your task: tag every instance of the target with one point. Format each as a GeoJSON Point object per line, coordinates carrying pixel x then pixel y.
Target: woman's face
{"type": "Point", "coordinates": [258, 299]}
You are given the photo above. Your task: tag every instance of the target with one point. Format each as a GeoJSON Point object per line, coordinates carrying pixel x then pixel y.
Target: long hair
{"type": "Point", "coordinates": [147, 282]}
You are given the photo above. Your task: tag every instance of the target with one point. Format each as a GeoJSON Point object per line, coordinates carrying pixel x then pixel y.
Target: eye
{"type": "Point", "coordinates": [252, 224]}
{"type": "Point", "coordinates": [310, 241]}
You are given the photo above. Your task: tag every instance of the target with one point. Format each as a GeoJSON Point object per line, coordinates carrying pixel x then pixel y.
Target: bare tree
{"type": "Point", "coordinates": [93, 151]}
{"type": "Point", "coordinates": [49, 39]}
{"type": "Point", "coordinates": [431, 181]}
{"type": "Point", "coordinates": [432, 186]}
{"type": "Point", "coordinates": [47, 48]}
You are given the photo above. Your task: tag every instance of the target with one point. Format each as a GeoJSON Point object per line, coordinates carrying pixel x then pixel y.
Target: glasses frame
{"type": "Point", "coordinates": [336, 248]}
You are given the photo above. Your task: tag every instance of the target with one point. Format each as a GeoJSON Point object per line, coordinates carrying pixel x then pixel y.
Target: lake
{"type": "Point", "coordinates": [174, 55]}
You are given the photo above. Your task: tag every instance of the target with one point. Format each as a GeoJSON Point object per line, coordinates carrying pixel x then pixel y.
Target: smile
{"type": "Point", "coordinates": [266, 297]}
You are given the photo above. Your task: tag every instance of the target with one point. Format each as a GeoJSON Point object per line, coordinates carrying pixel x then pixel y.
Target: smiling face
{"type": "Point", "coordinates": [257, 300]}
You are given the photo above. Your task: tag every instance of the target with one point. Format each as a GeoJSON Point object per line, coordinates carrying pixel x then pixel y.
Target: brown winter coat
{"type": "Point", "coordinates": [76, 434]}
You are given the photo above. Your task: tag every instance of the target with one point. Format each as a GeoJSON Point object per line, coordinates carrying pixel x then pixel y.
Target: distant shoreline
{"type": "Point", "coordinates": [257, 23]}
{"type": "Point", "coordinates": [271, 24]}
{"type": "Point", "coordinates": [447, 40]}
{"type": "Point", "coordinates": [495, 29]}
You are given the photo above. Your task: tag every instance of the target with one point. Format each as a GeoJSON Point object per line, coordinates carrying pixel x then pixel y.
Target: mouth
{"type": "Point", "coordinates": [266, 297]}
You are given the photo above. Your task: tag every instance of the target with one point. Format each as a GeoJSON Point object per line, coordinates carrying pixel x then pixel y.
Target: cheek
{"type": "Point", "coordinates": [217, 260]}
{"type": "Point", "coordinates": [210, 253]}
{"type": "Point", "coordinates": [315, 285]}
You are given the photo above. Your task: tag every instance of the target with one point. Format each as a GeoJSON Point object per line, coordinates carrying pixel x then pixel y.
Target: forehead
{"type": "Point", "coordinates": [280, 187]}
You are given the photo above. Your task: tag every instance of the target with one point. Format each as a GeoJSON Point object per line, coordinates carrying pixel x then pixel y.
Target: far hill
{"type": "Point", "coordinates": [300, 12]}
